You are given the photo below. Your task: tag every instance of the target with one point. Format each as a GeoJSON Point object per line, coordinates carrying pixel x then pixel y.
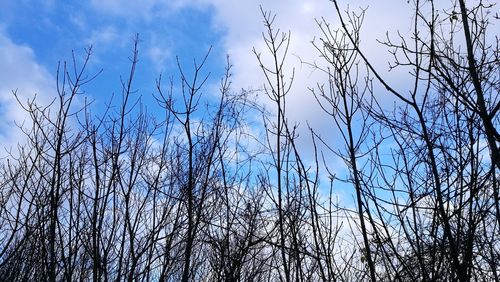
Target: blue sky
{"type": "Point", "coordinates": [36, 34]}
{"type": "Point", "coordinates": [49, 30]}
{"type": "Point", "coordinates": [41, 33]}
{"type": "Point", "coordinates": [53, 29]}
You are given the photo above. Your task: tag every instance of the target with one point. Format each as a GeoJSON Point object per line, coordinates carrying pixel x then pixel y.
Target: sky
{"type": "Point", "coordinates": [35, 35]}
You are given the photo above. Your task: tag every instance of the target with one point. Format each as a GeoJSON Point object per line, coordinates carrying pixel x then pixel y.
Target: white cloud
{"type": "Point", "coordinates": [107, 40]}
{"type": "Point", "coordinates": [78, 20]}
{"type": "Point", "coordinates": [122, 8]}
{"type": "Point", "coordinates": [136, 9]}
{"type": "Point", "coordinates": [103, 36]}
{"type": "Point", "coordinates": [243, 25]}
{"type": "Point", "coordinates": [158, 56]}
{"type": "Point", "coordinates": [158, 51]}
{"type": "Point", "coordinates": [19, 72]}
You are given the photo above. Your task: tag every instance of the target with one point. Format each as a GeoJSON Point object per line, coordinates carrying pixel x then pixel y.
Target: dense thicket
{"type": "Point", "coordinates": [202, 192]}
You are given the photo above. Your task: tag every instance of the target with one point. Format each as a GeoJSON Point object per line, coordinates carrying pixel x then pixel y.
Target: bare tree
{"type": "Point", "coordinates": [190, 192]}
{"type": "Point", "coordinates": [428, 198]}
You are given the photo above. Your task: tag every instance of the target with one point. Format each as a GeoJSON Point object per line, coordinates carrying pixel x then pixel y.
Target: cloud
{"type": "Point", "coordinates": [137, 9]}
{"type": "Point", "coordinates": [107, 41]}
{"type": "Point", "coordinates": [242, 26]}
{"type": "Point", "coordinates": [158, 56]}
{"type": "Point", "coordinates": [78, 20]}
{"type": "Point", "coordinates": [124, 8]}
{"type": "Point", "coordinates": [158, 51]}
{"type": "Point", "coordinates": [103, 36]}
{"type": "Point", "coordinates": [19, 73]}
{"type": "Point", "coordinates": [244, 32]}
